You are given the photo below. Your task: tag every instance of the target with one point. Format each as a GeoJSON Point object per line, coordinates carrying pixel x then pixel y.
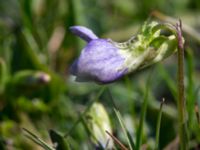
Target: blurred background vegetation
{"type": "Point", "coordinates": [37, 92]}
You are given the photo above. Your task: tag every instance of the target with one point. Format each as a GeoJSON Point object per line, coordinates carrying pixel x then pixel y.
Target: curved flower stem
{"type": "Point", "coordinates": [186, 28]}
{"type": "Point", "coordinates": [181, 97]}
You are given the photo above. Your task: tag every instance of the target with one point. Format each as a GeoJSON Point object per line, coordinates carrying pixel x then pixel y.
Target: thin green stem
{"type": "Point", "coordinates": [130, 143]}
{"type": "Point", "coordinates": [181, 96]}
{"type": "Point", "coordinates": [158, 125]}
{"type": "Point", "coordinates": [84, 113]}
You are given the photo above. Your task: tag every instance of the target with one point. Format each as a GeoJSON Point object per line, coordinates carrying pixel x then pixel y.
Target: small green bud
{"type": "Point", "coordinates": [99, 123]}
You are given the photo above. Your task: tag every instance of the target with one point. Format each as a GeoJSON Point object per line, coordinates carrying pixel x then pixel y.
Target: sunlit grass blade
{"type": "Point", "coordinates": [158, 125]}
{"type": "Point", "coordinates": [127, 135]}
{"type": "Point", "coordinates": [37, 140]}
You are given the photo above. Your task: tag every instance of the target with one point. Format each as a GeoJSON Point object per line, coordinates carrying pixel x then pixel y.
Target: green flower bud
{"type": "Point", "coordinates": [99, 123]}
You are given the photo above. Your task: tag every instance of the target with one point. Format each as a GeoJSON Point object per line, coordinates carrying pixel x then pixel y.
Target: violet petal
{"type": "Point", "coordinates": [83, 32]}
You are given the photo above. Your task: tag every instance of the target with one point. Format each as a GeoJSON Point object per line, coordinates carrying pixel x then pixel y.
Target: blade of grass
{"type": "Point", "coordinates": [131, 140]}
{"type": "Point", "coordinates": [37, 140]}
{"type": "Point", "coordinates": [115, 106]}
{"type": "Point", "coordinates": [143, 115]}
{"type": "Point", "coordinates": [190, 91]}
{"type": "Point", "coordinates": [158, 125]}
{"type": "Point", "coordinates": [86, 110]}
{"type": "Point", "coordinates": [127, 135]}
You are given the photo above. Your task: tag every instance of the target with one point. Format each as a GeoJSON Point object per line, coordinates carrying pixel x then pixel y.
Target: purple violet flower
{"type": "Point", "coordinates": [104, 61]}
{"type": "Point", "coordinates": [99, 61]}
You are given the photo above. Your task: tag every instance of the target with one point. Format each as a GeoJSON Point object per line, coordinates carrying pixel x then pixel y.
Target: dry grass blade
{"type": "Point", "coordinates": [117, 141]}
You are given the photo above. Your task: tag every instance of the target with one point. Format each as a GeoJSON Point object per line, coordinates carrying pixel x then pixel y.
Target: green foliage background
{"type": "Point", "coordinates": [37, 92]}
